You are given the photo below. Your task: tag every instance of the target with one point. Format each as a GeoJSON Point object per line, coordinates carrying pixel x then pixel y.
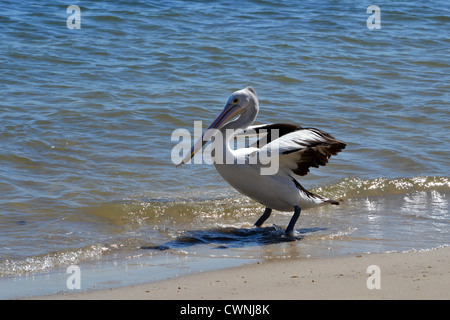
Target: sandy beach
{"type": "Point", "coordinates": [411, 275]}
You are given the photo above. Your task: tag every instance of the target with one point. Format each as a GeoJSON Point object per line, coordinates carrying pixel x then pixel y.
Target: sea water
{"type": "Point", "coordinates": [90, 97]}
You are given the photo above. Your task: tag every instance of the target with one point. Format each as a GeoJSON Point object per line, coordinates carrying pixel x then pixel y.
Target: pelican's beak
{"type": "Point", "coordinates": [229, 112]}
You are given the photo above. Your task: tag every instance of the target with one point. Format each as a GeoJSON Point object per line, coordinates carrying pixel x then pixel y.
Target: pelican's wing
{"type": "Point", "coordinates": [266, 133]}
{"type": "Point", "coordinates": [302, 149]}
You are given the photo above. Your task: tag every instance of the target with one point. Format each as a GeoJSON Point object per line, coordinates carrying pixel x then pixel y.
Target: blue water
{"type": "Point", "coordinates": [86, 117]}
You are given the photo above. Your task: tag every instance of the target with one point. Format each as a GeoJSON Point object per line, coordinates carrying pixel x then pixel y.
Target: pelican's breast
{"type": "Point", "coordinates": [269, 190]}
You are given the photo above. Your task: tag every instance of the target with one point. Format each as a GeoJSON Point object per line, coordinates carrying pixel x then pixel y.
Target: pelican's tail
{"type": "Point", "coordinates": [314, 198]}
{"type": "Point", "coordinates": [334, 202]}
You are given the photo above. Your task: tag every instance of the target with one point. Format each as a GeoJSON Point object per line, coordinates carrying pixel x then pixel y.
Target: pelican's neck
{"type": "Point", "coordinates": [231, 129]}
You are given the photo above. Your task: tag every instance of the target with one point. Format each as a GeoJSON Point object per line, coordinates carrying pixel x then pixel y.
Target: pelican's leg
{"type": "Point", "coordinates": [264, 217]}
{"type": "Point", "coordinates": [290, 229]}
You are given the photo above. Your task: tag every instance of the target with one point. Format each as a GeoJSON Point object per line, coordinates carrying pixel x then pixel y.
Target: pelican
{"type": "Point", "coordinates": [295, 149]}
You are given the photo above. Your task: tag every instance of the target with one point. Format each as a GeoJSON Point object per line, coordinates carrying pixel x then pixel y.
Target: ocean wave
{"type": "Point", "coordinates": [50, 261]}
{"type": "Point", "coordinates": [213, 209]}
{"type": "Point", "coordinates": [356, 187]}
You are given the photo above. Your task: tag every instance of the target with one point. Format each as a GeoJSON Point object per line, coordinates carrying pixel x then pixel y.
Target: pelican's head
{"type": "Point", "coordinates": [243, 99]}
{"type": "Point", "coordinates": [242, 103]}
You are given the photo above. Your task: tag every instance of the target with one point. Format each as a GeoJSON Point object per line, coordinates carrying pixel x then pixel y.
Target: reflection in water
{"type": "Point", "coordinates": [427, 204]}
{"type": "Point", "coordinates": [224, 238]}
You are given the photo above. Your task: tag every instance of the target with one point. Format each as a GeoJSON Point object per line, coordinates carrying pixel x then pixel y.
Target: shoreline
{"type": "Point", "coordinates": [421, 274]}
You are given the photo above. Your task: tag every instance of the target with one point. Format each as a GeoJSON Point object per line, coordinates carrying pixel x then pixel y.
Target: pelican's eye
{"type": "Point", "coordinates": [236, 100]}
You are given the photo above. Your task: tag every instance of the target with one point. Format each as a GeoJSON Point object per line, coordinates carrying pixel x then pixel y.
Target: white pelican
{"type": "Point", "coordinates": [296, 149]}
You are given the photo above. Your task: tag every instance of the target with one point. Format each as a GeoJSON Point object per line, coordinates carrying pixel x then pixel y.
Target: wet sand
{"type": "Point", "coordinates": [411, 275]}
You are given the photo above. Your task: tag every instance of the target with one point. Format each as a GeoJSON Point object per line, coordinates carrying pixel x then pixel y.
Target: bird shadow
{"type": "Point", "coordinates": [230, 237]}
